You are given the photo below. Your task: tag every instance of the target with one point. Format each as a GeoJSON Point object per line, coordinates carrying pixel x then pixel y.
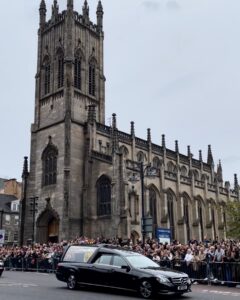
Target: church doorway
{"type": "Point", "coordinates": [48, 227]}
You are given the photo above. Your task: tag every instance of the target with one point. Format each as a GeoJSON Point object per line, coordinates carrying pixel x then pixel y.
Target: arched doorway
{"type": "Point", "coordinates": [48, 227]}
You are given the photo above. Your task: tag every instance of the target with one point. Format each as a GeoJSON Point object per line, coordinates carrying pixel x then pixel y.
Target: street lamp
{"type": "Point", "coordinates": [146, 223]}
{"type": "Point", "coordinates": [33, 209]}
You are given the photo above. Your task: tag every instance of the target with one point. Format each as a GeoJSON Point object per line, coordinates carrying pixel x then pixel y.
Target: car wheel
{"type": "Point", "coordinates": [72, 282]}
{"type": "Point", "coordinates": [146, 289]}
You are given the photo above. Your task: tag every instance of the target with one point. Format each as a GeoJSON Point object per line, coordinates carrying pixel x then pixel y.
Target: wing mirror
{"type": "Point", "coordinates": [127, 268]}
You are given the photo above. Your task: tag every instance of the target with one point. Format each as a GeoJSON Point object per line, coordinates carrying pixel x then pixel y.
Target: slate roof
{"type": "Point", "coordinates": [5, 202]}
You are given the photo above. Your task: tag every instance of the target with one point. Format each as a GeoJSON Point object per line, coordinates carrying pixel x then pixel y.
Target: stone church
{"type": "Point", "coordinates": [87, 178]}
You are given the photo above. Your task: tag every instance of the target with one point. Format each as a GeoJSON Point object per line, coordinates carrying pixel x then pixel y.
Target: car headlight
{"type": "Point", "coordinates": [162, 279]}
{"type": "Point", "coordinates": [189, 281]}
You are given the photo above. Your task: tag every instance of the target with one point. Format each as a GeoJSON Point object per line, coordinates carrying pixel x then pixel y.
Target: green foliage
{"type": "Point", "coordinates": [233, 219]}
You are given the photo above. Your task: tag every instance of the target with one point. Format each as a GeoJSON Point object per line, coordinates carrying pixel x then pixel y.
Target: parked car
{"type": "Point", "coordinates": [116, 268]}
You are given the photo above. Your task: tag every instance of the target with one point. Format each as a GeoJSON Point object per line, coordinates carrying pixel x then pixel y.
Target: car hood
{"type": "Point", "coordinates": [165, 272]}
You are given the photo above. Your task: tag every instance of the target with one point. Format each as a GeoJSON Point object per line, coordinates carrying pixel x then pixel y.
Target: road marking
{"type": "Point", "coordinates": [233, 294]}
{"type": "Point", "coordinates": [18, 284]}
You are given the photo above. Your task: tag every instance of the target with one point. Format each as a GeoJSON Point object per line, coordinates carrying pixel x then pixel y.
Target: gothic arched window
{"type": "Point", "coordinates": [60, 73]}
{"type": "Point", "coordinates": [92, 78]}
{"type": "Point", "coordinates": [103, 196]}
{"type": "Point", "coordinates": [183, 171]}
{"type": "Point", "coordinates": [140, 156]}
{"type": "Point", "coordinates": [49, 159]}
{"type": "Point", "coordinates": [156, 162]}
{"type": "Point", "coordinates": [77, 73]}
{"type": "Point", "coordinates": [170, 204]}
{"type": "Point", "coordinates": [170, 167]}
{"type": "Point", "coordinates": [186, 216]}
{"type": "Point", "coordinates": [196, 175]}
{"type": "Point", "coordinates": [213, 219]}
{"type": "Point", "coordinates": [200, 217]}
{"type": "Point", "coordinates": [124, 151]}
{"type": "Point", "coordinates": [153, 206]}
{"type": "Point", "coordinates": [47, 75]}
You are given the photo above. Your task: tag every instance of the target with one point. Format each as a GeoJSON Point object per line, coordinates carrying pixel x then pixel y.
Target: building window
{"type": "Point", "coordinates": [15, 236]}
{"type": "Point", "coordinates": [171, 167]}
{"type": "Point", "coordinates": [16, 220]}
{"type": "Point", "coordinates": [183, 171]}
{"type": "Point", "coordinates": [6, 237]}
{"type": "Point", "coordinates": [156, 163]}
{"type": "Point", "coordinates": [77, 73]}
{"type": "Point", "coordinates": [15, 207]}
{"type": "Point", "coordinates": [50, 168]}
{"type": "Point", "coordinates": [196, 175]}
{"type": "Point", "coordinates": [140, 157]}
{"type": "Point", "coordinates": [186, 217]}
{"type": "Point", "coordinates": [7, 219]}
{"type": "Point", "coordinates": [60, 71]}
{"type": "Point", "coordinates": [133, 206]}
{"type": "Point", "coordinates": [103, 196]}
{"type": "Point", "coordinates": [92, 79]}
{"type": "Point", "coordinates": [49, 159]}
{"type": "Point", "coordinates": [170, 204]}
{"type": "Point", "coordinates": [47, 72]}
{"type": "Point", "coordinates": [200, 217]}
{"type": "Point", "coordinates": [153, 208]}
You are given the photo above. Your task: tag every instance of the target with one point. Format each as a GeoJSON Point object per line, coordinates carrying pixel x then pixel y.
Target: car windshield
{"type": "Point", "coordinates": [141, 262]}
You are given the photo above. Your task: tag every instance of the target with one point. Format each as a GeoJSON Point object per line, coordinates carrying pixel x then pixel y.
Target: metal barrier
{"type": "Point", "coordinates": [225, 273]}
{"type": "Point", "coordinates": [31, 264]}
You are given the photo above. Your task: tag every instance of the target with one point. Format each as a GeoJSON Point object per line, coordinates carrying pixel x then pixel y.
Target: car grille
{"type": "Point", "coordinates": [179, 281]}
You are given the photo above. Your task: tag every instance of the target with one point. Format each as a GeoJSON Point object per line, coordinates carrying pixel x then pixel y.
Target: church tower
{"type": "Point", "coordinates": [88, 178]}
{"type": "Point", "coordinates": [69, 80]}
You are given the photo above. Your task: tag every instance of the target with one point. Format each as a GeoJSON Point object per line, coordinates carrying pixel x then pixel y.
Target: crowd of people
{"type": "Point", "coordinates": [207, 260]}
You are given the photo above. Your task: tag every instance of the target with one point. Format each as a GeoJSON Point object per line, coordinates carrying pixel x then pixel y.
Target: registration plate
{"type": "Point", "coordinates": [182, 287]}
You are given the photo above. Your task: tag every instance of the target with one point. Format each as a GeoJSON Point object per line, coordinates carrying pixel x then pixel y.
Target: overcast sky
{"type": "Point", "coordinates": [171, 65]}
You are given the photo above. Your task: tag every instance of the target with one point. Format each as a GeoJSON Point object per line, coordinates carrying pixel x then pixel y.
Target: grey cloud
{"type": "Point", "coordinates": [173, 5]}
{"type": "Point", "coordinates": [154, 5]}
{"type": "Point", "coordinates": [180, 83]}
{"type": "Point", "coordinates": [151, 5]}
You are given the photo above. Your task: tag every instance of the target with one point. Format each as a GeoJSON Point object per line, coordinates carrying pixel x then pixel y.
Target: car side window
{"type": "Point", "coordinates": [118, 261]}
{"type": "Point", "coordinates": [78, 253]}
{"type": "Point", "coordinates": [104, 259]}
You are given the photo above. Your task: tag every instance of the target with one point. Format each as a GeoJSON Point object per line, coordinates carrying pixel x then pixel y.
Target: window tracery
{"type": "Point", "coordinates": [103, 196]}
{"type": "Point", "coordinates": [49, 159]}
{"type": "Point", "coordinates": [92, 78]}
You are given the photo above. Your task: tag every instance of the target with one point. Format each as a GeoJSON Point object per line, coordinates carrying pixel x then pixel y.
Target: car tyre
{"type": "Point", "coordinates": [146, 290]}
{"type": "Point", "coordinates": [72, 282]}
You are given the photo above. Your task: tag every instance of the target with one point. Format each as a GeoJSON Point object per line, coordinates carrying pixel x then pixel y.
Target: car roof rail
{"type": "Point", "coordinates": [116, 247]}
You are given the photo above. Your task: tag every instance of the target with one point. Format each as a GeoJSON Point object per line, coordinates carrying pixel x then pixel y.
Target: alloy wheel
{"type": "Point", "coordinates": [72, 282]}
{"type": "Point", "coordinates": [146, 289]}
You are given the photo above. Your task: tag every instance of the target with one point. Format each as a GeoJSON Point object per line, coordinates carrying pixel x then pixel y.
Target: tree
{"type": "Point", "coordinates": [233, 219]}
